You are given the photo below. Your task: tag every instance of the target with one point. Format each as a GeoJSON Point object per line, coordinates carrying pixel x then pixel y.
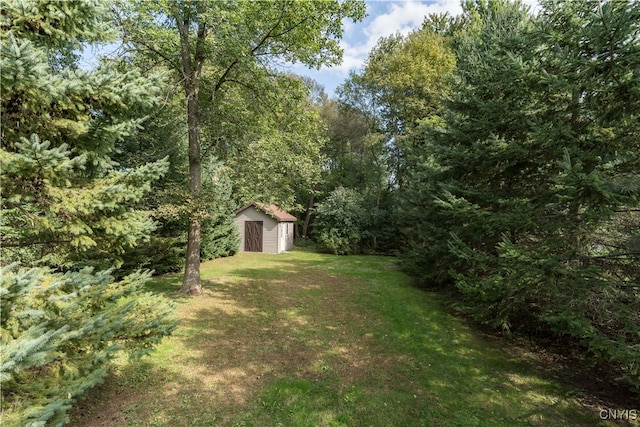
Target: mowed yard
{"type": "Point", "coordinates": [309, 339]}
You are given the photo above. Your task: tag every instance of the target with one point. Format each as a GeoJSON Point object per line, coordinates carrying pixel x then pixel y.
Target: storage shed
{"type": "Point", "coordinates": [264, 228]}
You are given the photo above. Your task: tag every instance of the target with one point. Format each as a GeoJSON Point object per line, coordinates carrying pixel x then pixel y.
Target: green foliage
{"type": "Point", "coordinates": [376, 127]}
{"type": "Point", "coordinates": [168, 202]}
{"type": "Point", "coordinates": [164, 251]}
{"type": "Point", "coordinates": [340, 221]}
{"type": "Point", "coordinates": [71, 225]}
{"type": "Point", "coordinates": [405, 80]}
{"type": "Point", "coordinates": [524, 199]}
{"type": "Point", "coordinates": [68, 212]}
{"type": "Point", "coordinates": [60, 330]}
{"type": "Point", "coordinates": [224, 55]}
{"type": "Point", "coordinates": [163, 137]}
{"type": "Point", "coordinates": [277, 147]}
{"type": "Point", "coordinates": [64, 200]}
{"type": "Point", "coordinates": [220, 235]}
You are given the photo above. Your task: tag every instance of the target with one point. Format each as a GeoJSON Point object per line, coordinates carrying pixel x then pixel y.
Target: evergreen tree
{"type": "Point", "coordinates": [220, 235]}
{"type": "Point", "coordinates": [164, 251]}
{"type": "Point", "coordinates": [66, 212]}
{"type": "Point", "coordinates": [472, 156]}
{"type": "Point", "coordinates": [531, 181]}
{"type": "Point", "coordinates": [168, 202]}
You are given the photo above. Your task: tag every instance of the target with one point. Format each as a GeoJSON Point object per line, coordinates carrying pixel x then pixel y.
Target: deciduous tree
{"type": "Point", "coordinates": [214, 45]}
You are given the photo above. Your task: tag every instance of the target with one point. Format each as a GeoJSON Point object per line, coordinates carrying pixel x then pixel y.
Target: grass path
{"type": "Point", "coordinates": [306, 339]}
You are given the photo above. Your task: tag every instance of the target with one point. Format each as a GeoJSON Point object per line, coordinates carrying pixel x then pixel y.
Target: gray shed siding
{"type": "Point", "coordinates": [269, 231]}
{"type": "Point", "coordinates": [277, 236]}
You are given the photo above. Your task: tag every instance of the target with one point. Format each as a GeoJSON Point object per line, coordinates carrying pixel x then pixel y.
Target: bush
{"type": "Point", "coordinates": [340, 222]}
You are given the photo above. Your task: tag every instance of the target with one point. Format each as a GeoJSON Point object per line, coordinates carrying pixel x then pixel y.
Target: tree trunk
{"type": "Point", "coordinates": [307, 218]}
{"type": "Point", "coordinates": [191, 281]}
{"type": "Point", "coordinates": [191, 71]}
{"type": "Point", "coordinates": [378, 196]}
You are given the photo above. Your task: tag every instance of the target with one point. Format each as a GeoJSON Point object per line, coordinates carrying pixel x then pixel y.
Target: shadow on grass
{"type": "Point", "coordinates": [168, 284]}
{"type": "Point", "coordinates": [307, 339]}
{"type": "Point", "coordinates": [143, 393]}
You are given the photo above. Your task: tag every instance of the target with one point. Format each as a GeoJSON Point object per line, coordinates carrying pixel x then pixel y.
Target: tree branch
{"type": "Point", "coordinates": [293, 27]}
{"type": "Point", "coordinates": [161, 54]}
{"type": "Point", "coordinates": [199, 55]}
{"type": "Point", "coordinates": [139, 41]}
{"type": "Point", "coordinates": [31, 243]}
{"type": "Point", "coordinates": [183, 30]}
{"type": "Point", "coordinates": [235, 62]}
{"type": "Point", "coordinates": [223, 79]}
{"type": "Point", "coordinates": [611, 256]}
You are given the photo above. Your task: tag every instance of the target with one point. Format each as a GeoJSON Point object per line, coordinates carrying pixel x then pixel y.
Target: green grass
{"type": "Point", "coordinates": [308, 339]}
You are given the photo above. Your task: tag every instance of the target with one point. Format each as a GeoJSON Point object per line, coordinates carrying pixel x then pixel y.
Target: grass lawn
{"type": "Point", "coordinates": [308, 339]}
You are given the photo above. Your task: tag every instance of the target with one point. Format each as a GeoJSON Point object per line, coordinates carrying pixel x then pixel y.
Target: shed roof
{"type": "Point", "coordinates": [271, 210]}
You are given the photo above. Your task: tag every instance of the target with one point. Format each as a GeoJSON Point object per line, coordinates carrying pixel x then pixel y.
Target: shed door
{"type": "Point", "coordinates": [253, 236]}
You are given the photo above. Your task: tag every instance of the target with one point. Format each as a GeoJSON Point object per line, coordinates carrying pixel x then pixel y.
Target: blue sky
{"type": "Point", "coordinates": [384, 18]}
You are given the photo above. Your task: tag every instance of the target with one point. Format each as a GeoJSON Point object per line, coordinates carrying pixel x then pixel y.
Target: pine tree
{"type": "Point", "coordinates": [66, 212]}
{"type": "Point", "coordinates": [532, 179]}
{"type": "Point", "coordinates": [220, 235]}
{"type": "Point", "coordinates": [469, 159]}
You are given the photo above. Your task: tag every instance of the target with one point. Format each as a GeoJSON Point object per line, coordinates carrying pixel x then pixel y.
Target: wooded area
{"type": "Point", "coordinates": [496, 154]}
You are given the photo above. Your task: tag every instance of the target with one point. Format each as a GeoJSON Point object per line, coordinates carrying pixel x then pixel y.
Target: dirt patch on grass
{"type": "Point", "coordinates": [276, 339]}
{"type": "Point", "coordinates": [238, 336]}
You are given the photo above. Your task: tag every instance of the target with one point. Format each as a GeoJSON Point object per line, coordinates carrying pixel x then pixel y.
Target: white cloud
{"type": "Point", "coordinates": [399, 17]}
{"type": "Point", "coordinates": [386, 17]}
{"type": "Point", "coordinates": [405, 16]}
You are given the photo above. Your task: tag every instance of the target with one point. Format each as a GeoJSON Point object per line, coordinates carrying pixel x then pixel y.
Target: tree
{"type": "Point", "coordinates": [220, 233]}
{"type": "Point", "coordinates": [168, 202]}
{"type": "Point", "coordinates": [355, 156]}
{"type": "Point", "coordinates": [230, 44]}
{"type": "Point", "coordinates": [340, 221]}
{"type": "Point", "coordinates": [66, 212]}
{"type": "Point", "coordinates": [404, 81]}
{"type": "Point", "coordinates": [276, 154]}
{"type": "Point", "coordinates": [475, 141]}
{"type": "Point", "coordinates": [402, 86]}
{"type": "Point", "coordinates": [534, 161]}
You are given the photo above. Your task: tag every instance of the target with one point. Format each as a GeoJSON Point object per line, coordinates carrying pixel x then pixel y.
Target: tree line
{"type": "Point", "coordinates": [113, 173]}
{"type": "Point", "coordinates": [495, 153]}
{"type": "Point", "coordinates": [506, 146]}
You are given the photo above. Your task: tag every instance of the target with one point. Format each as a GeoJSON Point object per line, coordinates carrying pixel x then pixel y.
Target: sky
{"type": "Point", "coordinates": [384, 18]}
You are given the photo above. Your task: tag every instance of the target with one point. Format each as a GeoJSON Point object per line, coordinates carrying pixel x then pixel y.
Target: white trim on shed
{"type": "Point", "coordinates": [264, 228]}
